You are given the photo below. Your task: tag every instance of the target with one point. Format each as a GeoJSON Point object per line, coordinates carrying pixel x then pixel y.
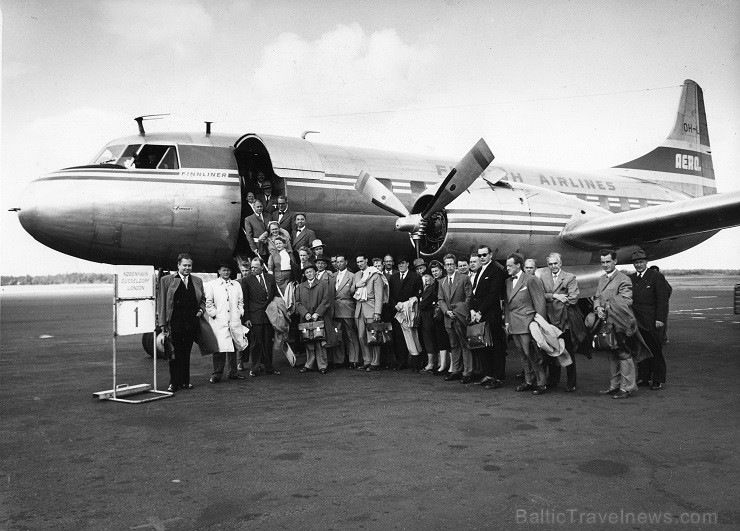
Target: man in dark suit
{"type": "Point", "coordinates": [650, 294]}
{"type": "Point", "coordinates": [302, 235]}
{"type": "Point", "coordinates": [455, 292]}
{"type": "Point", "coordinates": [259, 290]}
{"type": "Point", "coordinates": [283, 216]}
{"type": "Point", "coordinates": [489, 289]}
{"type": "Point", "coordinates": [403, 284]}
{"type": "Point", "coordinates": [269, 201]}
{"type": "Point", "coordinates": [246, 270]}
{"type": "Point", "coordinates": [180, 303]}
{"type": "Point", "coordinates": [255, 227]}
{"type": "Point", "coordinates": [524, 299]}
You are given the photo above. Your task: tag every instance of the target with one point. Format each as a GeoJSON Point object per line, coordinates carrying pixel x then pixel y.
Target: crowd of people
{"type": "Point", "coordinates": [399, 314]}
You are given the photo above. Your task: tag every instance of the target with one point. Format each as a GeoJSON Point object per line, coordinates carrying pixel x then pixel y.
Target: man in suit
{"type": "Point", "coordinates": [524, 299]}
{"type": "Point", "coordinates": [283, 216]}
{"type": "Point", "coordinates": [489, 288]}
{"type": "Point", "coordinates": [455, 293]}
{"type": "Point", "coordinates": [302, 235]}
{"type": "Point", "coordinates": [180, 303]}
{"type": "Point", "coordinates": [369, 296]}
{"type": "Point", "coordinates": [268, 199]}
{"type": "Point", "coordinates": [255, 226]}
{"type": "Point", "coordinates": [245, 268]}
{"type": "Point", "coordinates": [561, 295]}
{"type": "Point", "coordinates": [344, 313]}
{"type": "Point", "coordinates": [403, 284]}
{"type": "Point", "coordinates": [613, 303]}
{"type": "Point", "coordinates": [650, 294]}
{"type": "Point", "coordinates": [259, 290]}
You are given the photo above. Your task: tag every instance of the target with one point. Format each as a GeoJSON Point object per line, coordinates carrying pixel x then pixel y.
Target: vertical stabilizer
{"type": "Point", "coordinates": [684, 161]}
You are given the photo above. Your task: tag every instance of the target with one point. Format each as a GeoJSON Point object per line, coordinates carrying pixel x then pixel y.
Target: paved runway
{"type": "Point", "coordinates": [352, 450]}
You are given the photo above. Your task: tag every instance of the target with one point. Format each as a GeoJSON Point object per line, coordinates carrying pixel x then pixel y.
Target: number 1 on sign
{"type": "Point", "coordinates": [136, 314]}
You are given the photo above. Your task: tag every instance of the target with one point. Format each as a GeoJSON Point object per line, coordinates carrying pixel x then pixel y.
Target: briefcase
{"type": "Point", "coordinates": [479, 335]}
{"type": "Point", "coordinates": [312, 331]}
{"type": "Point", "coordinates": [605, 338]}
{"type": "Point", "coordinates": [378, 333]}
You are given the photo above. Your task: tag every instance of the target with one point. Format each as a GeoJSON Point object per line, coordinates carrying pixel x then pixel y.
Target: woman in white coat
{"type": "Point", "coordinates": [225, 307]}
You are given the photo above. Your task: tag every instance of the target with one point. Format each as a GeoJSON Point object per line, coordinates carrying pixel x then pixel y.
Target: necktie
{"type": "Point", "coordinates": [403, 275]}
{"type": "Point", "coordinates": [339, 279]}
{"type": "Point", "coordinates": [280, 217]}
{"type": "Point", "coordinates": [185, 282]}
{"type": "Point", "coordinates": [639, 276]}
{"type": "Point", "coordinates": [262, 281]}
{"type": "Point", "coordinates": [475, 281]}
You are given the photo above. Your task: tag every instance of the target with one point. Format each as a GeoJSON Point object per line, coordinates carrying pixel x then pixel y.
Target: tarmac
{"type": "Point", "coordinates": [351, 450]}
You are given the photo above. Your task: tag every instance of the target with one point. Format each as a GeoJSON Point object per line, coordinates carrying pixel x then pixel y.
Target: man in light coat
{"type": "Point", "coordinates": [369, 288]}
{"type": "Point", "coordinates": [524, 299]}
{"type": "Point", "coordinates": [455, 293]}
{"type": "Point", "coordinates": [344, 313]}
{"type": "Point", "coordinates": [225, 307]}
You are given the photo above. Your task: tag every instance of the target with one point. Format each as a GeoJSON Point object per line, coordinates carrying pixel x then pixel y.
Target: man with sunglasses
{"type": "Point", "coordinates": [489, 287]}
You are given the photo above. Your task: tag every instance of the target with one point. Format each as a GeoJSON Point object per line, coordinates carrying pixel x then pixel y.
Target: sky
{"type": "Point", "coordinates": [558, 84]}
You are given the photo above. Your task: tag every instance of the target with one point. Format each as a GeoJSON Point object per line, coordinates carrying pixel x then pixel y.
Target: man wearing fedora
{"type": "Point", "coordinates": [312, 304]}
{"type": "Point", "coordinates": [225, 307]}
{"type": "Point", "coordinates": [650, 294]}
{"type": "Point", "coordinates": [268, 199]}
{"type": "Point", "coordinates": [180, 303]}
{"type": "Point", "coordinates": [403, 285]}
{"type": "Point", "coordinates": [317, 247]}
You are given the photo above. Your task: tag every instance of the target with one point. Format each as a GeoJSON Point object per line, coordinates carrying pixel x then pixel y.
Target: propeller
{"type": "Point", "coordinates": [457, 181]}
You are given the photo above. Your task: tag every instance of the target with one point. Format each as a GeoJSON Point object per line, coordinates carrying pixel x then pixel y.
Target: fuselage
{"type": "Point", "coordinates": [191, 200]}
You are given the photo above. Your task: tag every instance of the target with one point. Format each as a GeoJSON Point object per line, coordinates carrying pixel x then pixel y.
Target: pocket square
{"type": "Point", "coordinates": [524, 288]}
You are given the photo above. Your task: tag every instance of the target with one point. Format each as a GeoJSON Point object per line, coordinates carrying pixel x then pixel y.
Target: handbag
{"type": "Point", "coordinates": [378, 333]}
{"type": "Point", "coordinates": [605, 338]}
{"type": "Point", "coordinates": [312, 331]}
{"type": "Point", "coordinates": [479, 335]}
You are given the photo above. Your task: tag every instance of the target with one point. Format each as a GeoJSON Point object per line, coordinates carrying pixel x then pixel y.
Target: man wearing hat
{"type": "Point", "coordinates": [225, 307]}
{"type": "Point", "coordinates": [404, 285]}
{"type": "Point", "coordinates": [420, 266]}
{"type": "Point", "coordinates": [650, 294]}
{"type": "Point", "coordinates": [312, 303]}
{"type": "Point", "coordinates": [259, 290]}
{"type": "Point", "coordinates": [268, 199]}
{"type": "Point", "coordinates": [324, 275]}
{"type": "Point", "coordinates": [317, 246]}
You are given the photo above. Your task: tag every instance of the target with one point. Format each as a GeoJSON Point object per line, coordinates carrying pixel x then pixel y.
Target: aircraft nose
{"type": "Point", "coordinates": [56, 214]}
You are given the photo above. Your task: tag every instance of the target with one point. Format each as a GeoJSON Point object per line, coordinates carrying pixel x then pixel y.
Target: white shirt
{"type": "Point", "coordinates": [340, 278]}
{"type": "Point", "coordinates": [516, 278]}
{"type": "Point", "coordinates": [184, 280]}
{"type": "Point", "coordinates": [284, 260]}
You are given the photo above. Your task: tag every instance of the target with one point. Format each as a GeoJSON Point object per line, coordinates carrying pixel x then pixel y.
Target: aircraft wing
{"type": "Point", "coordinates": [645, 225]}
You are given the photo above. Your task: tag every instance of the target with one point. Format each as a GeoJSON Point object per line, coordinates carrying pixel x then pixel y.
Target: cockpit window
{"type": "Point", "coordinates": [207, 157]}
{"type": "Point", "coordinates": [160, 157]}
{"type": "Point", "coordinates": [109, 155]}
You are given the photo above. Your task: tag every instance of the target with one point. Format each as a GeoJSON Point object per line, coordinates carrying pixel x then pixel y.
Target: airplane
{"type": "Point", "coordinates": [146, 198]}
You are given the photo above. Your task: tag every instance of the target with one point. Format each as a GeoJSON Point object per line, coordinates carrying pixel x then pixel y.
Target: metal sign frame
{"type": "Point", "coordinates": [121, 390]}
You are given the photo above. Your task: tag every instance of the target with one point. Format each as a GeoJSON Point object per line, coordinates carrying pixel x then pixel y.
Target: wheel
{"type": "Point", "coordinates": [147, 341]}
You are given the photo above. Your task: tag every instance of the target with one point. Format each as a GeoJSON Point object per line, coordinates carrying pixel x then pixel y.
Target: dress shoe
{"type": "Point", "coordinates": [519, 376]}
{"type": "Point", "coordinates": [253, 374]}
{"type": "Point", "coordinates": [493, 384]}
{"type": "Point", "coordinates": [570, 389]}
{"type": "Point", "coordinates": [643, 383]}
{"type": "Point", "coordinates": [466, 379]}
{"type": "Point", "coordinates": [363, 367]}
{"type": "Point", "coordinates": [440, 372]}
{"type": "Point", "coordinates": [453, 376]}
{"type": "Point", "coordinates": [540, 390]}
{"type": "Point", "coordinates": [323, 371]}
{"type": "Point", "coordinates": [240, 367]}
{"type": "Point", "coordinates": [306, 369]}
{"type": "Point", "coordinates": [610, 391]}
{"type": "Point", "coordinates": [524, 387]}
{"type": "Point", "coordinates": [372, 368]}
{"type": "Point", "coordinates": [215, 379]}
{"type": "Point", "coordinates": [188, 386]}
{"type": "Point", "coordinates": [171, 389]}
{"type": "Point", "coordinates": [236, 377]}
{"type": "Point", "coordinates": [656, 387]}
{"type": "Point", "coordinates": [483, 381]}
{"type": "Point", "coordinates": [353, 366]}
{"type": "Point", "coordinates": [273, 373]}
{"type": "Point", "coordinates": [621, 394]}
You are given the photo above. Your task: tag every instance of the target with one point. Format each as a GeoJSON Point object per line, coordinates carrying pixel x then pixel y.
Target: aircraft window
{"type": "Point", "coordinates": [154, 156]}
{"type": "Point", "coordinates": [109, 155]}
{"type": "Point", "coordinates": [207, 157]}
{"type": "Point", "coordinates": [128, 157]}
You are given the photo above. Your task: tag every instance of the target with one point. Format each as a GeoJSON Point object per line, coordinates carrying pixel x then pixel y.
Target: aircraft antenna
{"type": "Point", "coordinates": [140, 121]}
{"type": "Point", "coordinates": [303, 135]}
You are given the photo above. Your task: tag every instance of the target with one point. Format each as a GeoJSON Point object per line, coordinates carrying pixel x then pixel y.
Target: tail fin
{"type": "Point", "coordinates": [684, 161]}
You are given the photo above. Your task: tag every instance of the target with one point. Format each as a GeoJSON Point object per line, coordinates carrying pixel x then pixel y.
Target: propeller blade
{"type": "Point", "coordinates": [374, 190]}
{"type": "Point", "coordinates": [461, 177]}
